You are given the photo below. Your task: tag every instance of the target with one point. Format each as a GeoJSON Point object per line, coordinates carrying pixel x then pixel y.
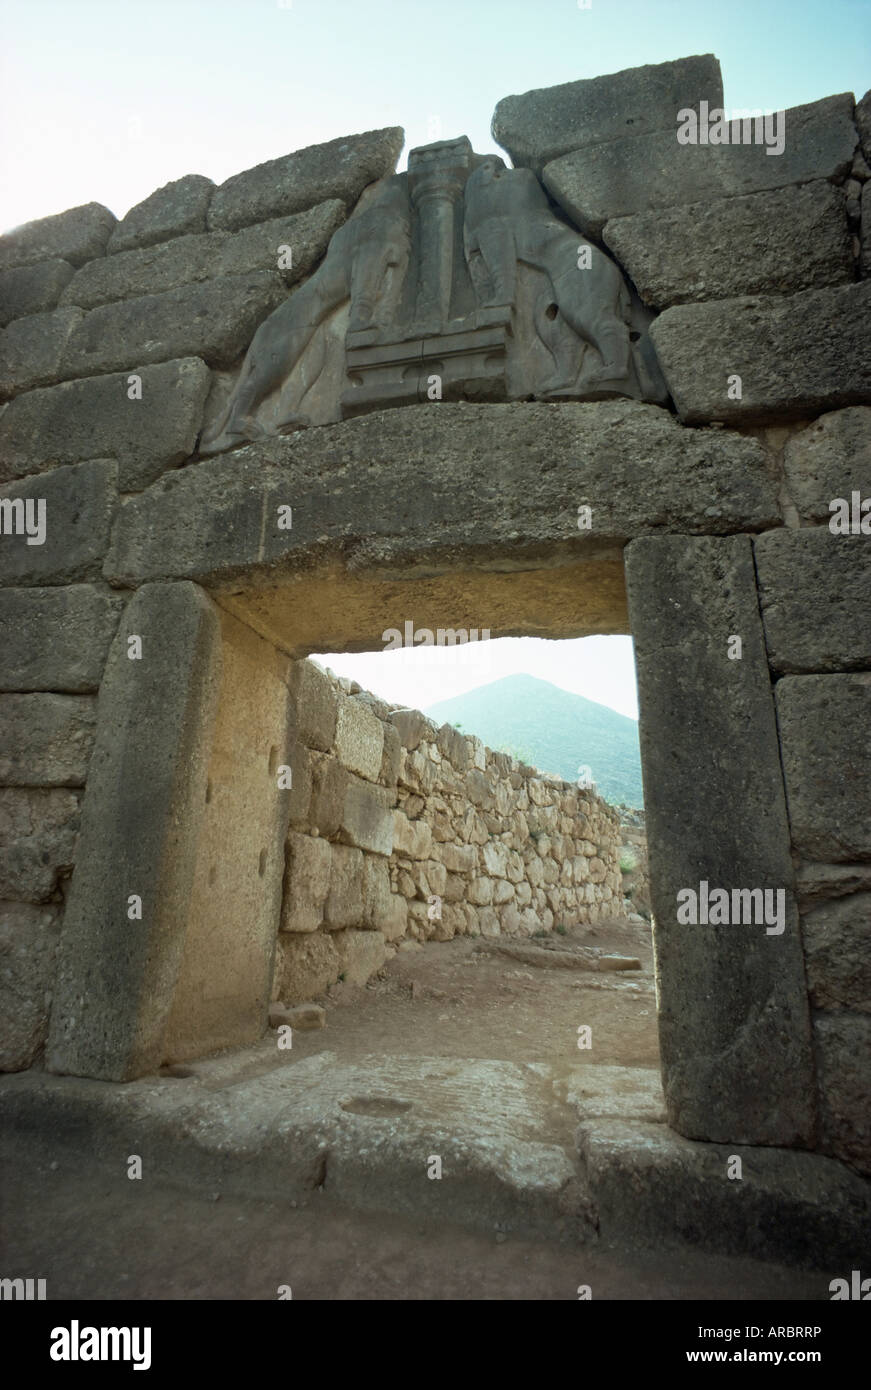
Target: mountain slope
{"type": "Point", "coordinates": [552, 729]}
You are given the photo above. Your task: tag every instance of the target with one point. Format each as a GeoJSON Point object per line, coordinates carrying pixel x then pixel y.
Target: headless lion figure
{"type": "Point", "coordinates": [365, 262]}
{"type": "Point", "coordinates": [508, 219]}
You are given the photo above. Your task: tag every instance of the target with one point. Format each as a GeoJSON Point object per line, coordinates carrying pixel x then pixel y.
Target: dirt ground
{"type": "Point", "coordinates": [95, 1236]}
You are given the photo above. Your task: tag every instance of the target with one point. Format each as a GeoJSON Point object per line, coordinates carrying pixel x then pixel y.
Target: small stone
{"type": "Point", "coordinates": [307, 1016]}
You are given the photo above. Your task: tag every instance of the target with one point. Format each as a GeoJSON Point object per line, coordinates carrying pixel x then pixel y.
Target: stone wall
{"type": "Point", "coordinates": [402, 829]}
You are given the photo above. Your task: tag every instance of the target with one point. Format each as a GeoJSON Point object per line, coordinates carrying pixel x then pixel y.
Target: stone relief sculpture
{"type": "Point", "coordinates": [457, 280]}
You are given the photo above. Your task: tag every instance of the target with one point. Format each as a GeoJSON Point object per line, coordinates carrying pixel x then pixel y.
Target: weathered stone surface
{"type": "Point", "coordinates": [736, 1055]}
{"type": "Point", "coordinates": [642, 172]}
{"type": "Point", "coordinates": [81, 420]}
{"type": "Point", "coordinates": [38, 830]}
{"type": "Point", "coordinates": [306, 882]}
{"type": "Point", "coordinates": [862, 117]}
{"type": "Point", "coordinates": [818, 883]}
{"type": "Point", "coordinates": [116, 976]}
{"type": "Point", "coordinates": [344, 905]}
{"type": "Point", "coordinates": [338, 169]}
{"type": "Point", "coordinates": [795, 355]}
{"type": "Point", "coordinates": [315, 703]}
{"type": "Point", "coordinates": [329, 787]}
{"type": "Point", "coordinates": [377, 905]}
{"type": "Point", "coordinates": [210, 519]}
{"type": "Point", "coordinates": [391, 757]}
{"type": "Point", "coordinates": [830, 458]}
{"type": "Point", "coordinates": [655, 1188]}
{"type": "Point", "coordinates": [361, 953]}
{"type": "Point", "coordinates": [32, 289]}
{"type": "Point", "coordinates": [842, 1044]}
{"type": "Point", "coordinates": [80, 502]}
{"type": "Point", "coordinates": [28, 942]}
{"type": "Point", "coordinates": [305, 965]}
{"type": "Point", "coordinates": [55, 639]}
{"type": "Point", "coordinates": [367, 820]}
{"type": "Point", "coordinates": [412, 839]}
{"type": "Point", "coordinates": [865, 232]}
{"type": "Point", "coordinates": [174, 210]}
{"type": "Point", "coordinates": [46, 740]}
{"type": "Point", "coordinates": [837, 947]}
{"type": "Point", "coordinates": [214, 320]}
{"type": "Point", "coordinates": [412, 726]}
{"type": "Point", "coordinates": [453, 746]}
{"type": "Point", "coordinates": [32, 350]}
{"type": "Point", "coordinates": [543, 124]}
{"type": "Point", "coordinates": [190, 259]}
{"type": "Point", "coordinates": [457, 859]}
{"type": "Point", "coordinates": [299, 793]}
{"type": "Point", "coordinates": [77, 235]}
{"type": "Point", "coordinates": [815, 597]}
{"type": "Point", "coordinates": [824, 722]}
{"type": "Point", "coordinates": [775, 242]}
{"type": "Point", "coordinates": [359, 738]}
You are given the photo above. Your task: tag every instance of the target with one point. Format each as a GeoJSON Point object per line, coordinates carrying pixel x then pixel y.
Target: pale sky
{"type": "Point", "coordinates": [106, 100]}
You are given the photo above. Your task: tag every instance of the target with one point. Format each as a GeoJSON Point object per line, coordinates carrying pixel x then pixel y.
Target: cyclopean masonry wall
{"type": "Point", "coordinates": [707, 405]}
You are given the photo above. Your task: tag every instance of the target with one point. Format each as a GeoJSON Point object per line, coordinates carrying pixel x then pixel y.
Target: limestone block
{"type": "Point", "coordinates": [77, 504]}
{"type": "Point", "coordinates": [479, 789]}
{"type": "Point", "coordinates": [495, 859]}
{"type": "Point", "coordinates": [453, 746]}
{"type": "Point", "coordinates": [830, 458]}
{"type": "Point", "coordinates": [503, 892]}
{"type": "Point", "coordinates": [377, 897]}
{"type": "Point", "coordinates": [514, 867]}
{"type": "Point", "coordinates": [315, 705]}
{"type": "Point", "coordinates": [307, 877]}
{"type": "Point", "coordinates": [338, 169]}
{"type": "Point", "coordinates": [214, 320]}
{"type": "Point", "coordinates": [486, 922]}
{"type": "Point", "coordinates": [436, 877]}
{"type": "Point", "coordinates": [344, 904]}
{"type": "Point", "coordinates": [776, 242]}
{"type": "Point", "coordinates": [56, 639]}
{"type": "Point", "coordinates": [545, 123]}
{"type": "Point", "coordinates": [826, 754]}
{"type": "Point", "coordinates": [46, 740]}
{"type": "Point", "coordinates": [480, 891]}
{"type": "Point", "coordinates": [789, 361]}
{"type": "Point", "coordinates": [865, 240]}
{"type": "Point", "coordinates": [842, 1045]}
{"type": "Point", "coordinates": [454, 889]}
{"type": "Point", "coordinates": [299, 793]}
{"type": "Point", "coordinates": [305, 965]}
{"type": "Point", "coordinates": [32, 289]}
{"type": "Point", "coordinates": [38, 830]}
{"type": "Point", "coordinates": [394, 924]}
{"type": "Point", "coordinates": [412, 727]}
{"type": "Point", "coordinates": [359, 738]}
{"type": "Point", "coordinates": [640, 173]}
{"type": "Point", "coordinates": [411, 838]}
{"type": "Point", "coordinates": [367, 815]}
{"type": "Point", "coordinates": [32, 350]}
{"type": "Point", "coordinates": [550, 871]}
{"type": "Point", "coordinates": [361, 954]}
{"type": "Point", "coordinates": [81, 420]}
{"type": "Point", "coordinates": [389, 773]}
{"type": "Point", "coordinates": [837, 944]}
{"type": "Point", "coordinates": [174, 210]}
{"type": "Point", "coordinates": [77, 235]}
{"type": "Point", "coordinates": [28, 946]}
{"type": "Point", "coordinates": [815, 595]}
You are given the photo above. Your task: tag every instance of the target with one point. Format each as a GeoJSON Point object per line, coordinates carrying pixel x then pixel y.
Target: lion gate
{"type": "Point", "coordinates": [623, 386]}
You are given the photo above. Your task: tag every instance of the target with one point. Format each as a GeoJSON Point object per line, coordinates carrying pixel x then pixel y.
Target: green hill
{"type": "Point", "coordinates": [552, 729]}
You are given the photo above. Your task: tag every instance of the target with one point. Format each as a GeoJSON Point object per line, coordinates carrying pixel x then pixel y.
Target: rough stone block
{"type": "Point", "coordinates": [642, 172]}
{"type": "Point", "coordinates": [81, 420]}
{"type": "Point", "coordinates": [32, 350]}
{"type": "Point", "coordinates": [830, 458]}
{"type": "Point", "coordinates": [315, 705]}
{"type": "Point", "coordinates": [543, 124]}
{"type": "Point", "coordinates": [344, 905]}
{"type": "Point", "coordinates": [116, 977]}
{"type": "Point", "coordinates": [32, 289]}
{"type": "Point", "coordinates": [306, 882]}
{"type": "Point", "coordinates": [28, 944]}
{"type": "Point", "coordinates": [795, 356]}
{"type": "Point", "coordinates": [391, 757]}
{"type": "Point", "coordinates": [377, 897]}
{"type": "Point", "coordinates": [412, 726]}
{"type": "Point", "coordinates": [457, 859]}
{"type": "Point", "coordinates": [361, 953]}
{"type": "Point", "coordinates": [817, 883]}
{"type": "Point", "coordinates": [776, 242]}
{"type": "Point", "coordinates": [56, 639]}
{"type": "Point", "coordinates": [842, 1043]}
{"type": "Point", "coordinates": [330, 784]}
{"type": "Point", "coordinates": [80, 502]}
{"type": "Point", "coordinates": [815, 598]}
{"type": "Point", "coordinates": [453, 746]}
{"type": "Point", "coordinates": [359, 738]}
{"type": "Point", "coordinates": [305, 966]}
{"type": "Point", "coordinates": [824, 722]}
{"type": "Point", "coordinates": [862, 116]}
{"type": "Point", "coordinates": [46, 740]}
{"type": "Point", "coordinates": [411, 839]}
{"type": "Point", "coordinates": [865, 231]}
{"type": "Point", "coordinates": [837, 946]}
{"type": "Point", "coordinates": [257, 248]}
{"type": "Point", "coordinates": [338, 169]}
{"type": "Point", "coordinates": [299, 794]}
{"type": "Point", "coordinates": [38, 830]}
{"type": "Point", "coordinates": [367, 817]}
{"type": "Point", "coordinates": [176, 209]}
{"type": "Point", "coordinates": [77, 235]}
{"type": "Point", "coordinates": [736, 1061]}
{"type": "Point", "coordinates": [215, 320]}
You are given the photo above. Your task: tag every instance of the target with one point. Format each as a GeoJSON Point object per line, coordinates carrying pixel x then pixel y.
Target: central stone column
{"type": "Point", "coordinates": [436, 178]}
